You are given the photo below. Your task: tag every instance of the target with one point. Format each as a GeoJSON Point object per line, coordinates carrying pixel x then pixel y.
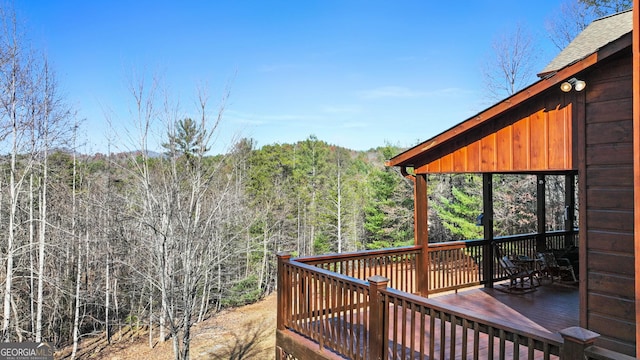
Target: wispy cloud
{"type": "Point", "coordinates": [403, 92]}
{"type": "Point", "coordinates": [346, 109]}
{"type": "Point", "coordinates": [269, 68]}
{"type": "Point", "coordinates": [264, 119]}
{"type": "Point", "coordinates": [355, 125]}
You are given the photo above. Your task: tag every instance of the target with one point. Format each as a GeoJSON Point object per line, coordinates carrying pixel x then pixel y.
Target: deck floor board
{"type": "Point", "coordinates": [551, 307]}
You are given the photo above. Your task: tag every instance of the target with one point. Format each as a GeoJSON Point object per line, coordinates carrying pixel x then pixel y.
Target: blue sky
{"type": "Point", "coordinates": [357, 74]}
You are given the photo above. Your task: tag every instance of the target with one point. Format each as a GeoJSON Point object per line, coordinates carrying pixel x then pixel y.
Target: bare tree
{"type": "Point", "coordinates": [511, 66]}
{"type": "Point", "coordinates": [607, 7]}
{"type": "Point", "coordinates": [573, 16]}
{"type": "Point", "coordinates": [184, 202]}
{"type": "Point", "coordinates": [568, 21]}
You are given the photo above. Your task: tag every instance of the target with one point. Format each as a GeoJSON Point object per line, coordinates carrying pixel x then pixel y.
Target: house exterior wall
{"type": "Point", "coordinates": [606, 203]}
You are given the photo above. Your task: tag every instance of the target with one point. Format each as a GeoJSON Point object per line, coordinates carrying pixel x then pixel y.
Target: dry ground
{"type": "Point", "coordinates": [247, 332]}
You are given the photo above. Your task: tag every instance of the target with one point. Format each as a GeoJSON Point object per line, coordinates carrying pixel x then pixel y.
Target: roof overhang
{"type": "Point", "coordinates": [411, 157]}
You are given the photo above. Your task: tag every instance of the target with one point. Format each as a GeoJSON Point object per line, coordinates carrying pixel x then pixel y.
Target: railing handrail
{"type": "Point", "coordinates": [552, 338]}
{"type": "Point", "coordinates": [358, 254]}
{"type": "Point", "coordinates": [414, 248]}
{"type": "Point", "coordinates": [509, 237]}
{"type": "Point", "coordinates": [329, 273]}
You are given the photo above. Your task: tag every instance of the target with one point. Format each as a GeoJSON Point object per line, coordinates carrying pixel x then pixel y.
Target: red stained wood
{"type": "Point", "coordinates": [636, 157]}
{"type": "Point", "coordinates": [473, 157]}
{"type": "Point", "coordinates": [488, 153]}
{"type": "Point", "coordinates": [521, 146]}
{"type": "Point", "coordinates": [504, 153]}
{"type": "Point", "coordinates": [549, 308]}
{"type": "Point", "coordinates": [460, 160]}
{"type": "Point", "coordinates": [539, 140]}
{"type": "Point", "coordinates": [559, 139]}
{"type": "Point", "coordinates": [446, 163]}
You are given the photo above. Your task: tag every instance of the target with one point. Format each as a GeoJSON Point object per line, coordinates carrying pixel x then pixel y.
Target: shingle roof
{"type": "Point", "coordinates": [599, 33]}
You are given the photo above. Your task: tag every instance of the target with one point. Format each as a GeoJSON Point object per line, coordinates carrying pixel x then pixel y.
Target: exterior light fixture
{"type": "Point", "coordinates": [573, 83]}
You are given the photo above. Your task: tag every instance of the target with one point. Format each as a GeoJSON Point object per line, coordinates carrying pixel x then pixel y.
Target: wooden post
{"type": "Point", "coordinates": [377, 313]}
{"type": "Point", "coordinates": [570, 208]}
{"type": "Point", "coordinates": [421, 227]}
{"type": "Point", "coordinates": [284, 291]}
{"type": "Point", "coordinates": [636, 164]}
{"type": "Point", "coordinates": [576, 340]}
{"type": "Point", "coordinates": [541, 238]}
{"type": "Point", "coordinates": [488, 259]}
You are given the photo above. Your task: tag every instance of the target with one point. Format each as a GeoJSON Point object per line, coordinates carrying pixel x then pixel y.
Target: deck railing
{"type": "Point", "coordinates": [451, 265]}
{"type": "Point", "coordinates": [460, 264]}
{"type": "Point", "coordinates": [367, 320]}
{"type": "Point", "coordinates": [455, 265]}
{"type": "Point", "coordinates": [329, 308]}
{"type": "Point", "coordinates": [341, 307]}
{"type": "Point", "coordinates": [418, 327]}
{"type": "Point", "coordinates": [397, 264]}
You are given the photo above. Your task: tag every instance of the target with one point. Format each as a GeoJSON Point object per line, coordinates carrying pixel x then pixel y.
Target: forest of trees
{"type": "Point", "coordinates": [170, 239]}
{"type": "Point", "coordinates": [93, 242]}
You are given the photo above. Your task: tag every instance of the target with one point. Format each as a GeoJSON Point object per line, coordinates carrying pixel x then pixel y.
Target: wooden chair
{"type": "Point", "coordinates": [519, 276]}
{"type": "Point", "coordinates": [554, 267]}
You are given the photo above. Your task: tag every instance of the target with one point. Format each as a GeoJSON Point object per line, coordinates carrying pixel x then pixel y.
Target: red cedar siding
{"type": "Point", "coordinates": [540, 140]}
{"type": "Point", "coordinates": [473, 157]}
{"type": "Point", "coordinates": [504, 156]}
{"type": "Point", "coordinates": [608, 186]}
{"type": "Point", "coordinates": [521, 145]}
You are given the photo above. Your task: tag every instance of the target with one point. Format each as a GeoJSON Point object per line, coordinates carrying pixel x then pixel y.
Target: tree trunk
{"type": "Point", "coordinates": [151, 321]}
{"type": "Point", "coordinates": [41, 251]}
{"type": "Point", "coordinates": [106, 303]}
{"type": "Point", "coordinates": [13, 199]}
{"type": "Point", "coordinates": [32, 272]}
{"type": "Point", "coordinates": [76, 317]}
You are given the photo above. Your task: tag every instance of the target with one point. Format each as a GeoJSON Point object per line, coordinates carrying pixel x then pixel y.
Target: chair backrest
{"type": "Point", "coordinates": [507, 265]}
{"type": "Point", "coordinates": [549, 259]}
{"type": "Point", "coordinates": [498, 251]}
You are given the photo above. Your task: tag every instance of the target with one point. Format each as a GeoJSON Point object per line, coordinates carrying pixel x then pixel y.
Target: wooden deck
{"type": "Point", "coordinates": [362, 319]}
{"type": "Point", "coordinates": [552, 307]}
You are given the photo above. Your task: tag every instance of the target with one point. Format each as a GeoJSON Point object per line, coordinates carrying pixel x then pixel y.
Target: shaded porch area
{"type": "Point", "coordinates": [552, 307]}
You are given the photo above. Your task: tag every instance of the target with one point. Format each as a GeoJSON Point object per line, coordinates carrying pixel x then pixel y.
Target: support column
{"type": "Point", "coordinates": [636, 165]}
{"type": "Point", "coordinates": [488, 260]}
{"type": "Point", "coordinates": [541, 239]}
{"type": "Point", "coordinates": [576, 340]}
{"type": "Point", "coordinates": [570, 209]}
{"type": "Point", "coordinates": [377, 315]}
{"type": "Point", "coordinates": [283, 291]}
{"type": "Point", "coordinates": [421, 229]}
